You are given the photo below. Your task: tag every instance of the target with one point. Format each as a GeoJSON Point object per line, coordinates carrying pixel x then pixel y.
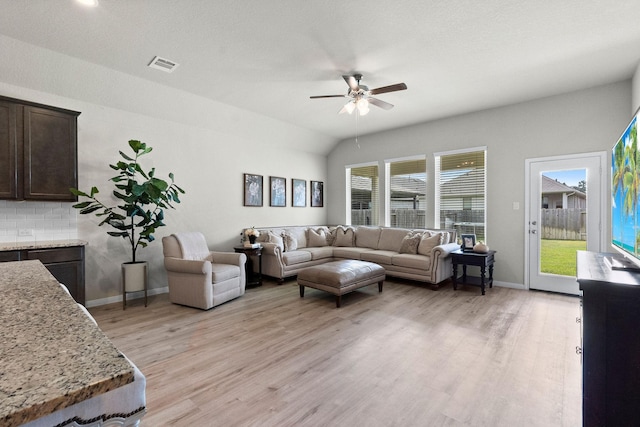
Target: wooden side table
{"type": "Point", "coordinates": [482, 260]}
{"type": "Point", "coordinates": [253, 279]}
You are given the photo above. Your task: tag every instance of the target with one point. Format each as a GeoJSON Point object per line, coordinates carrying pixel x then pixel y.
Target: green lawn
{"type": "Point", "coordinates": [559, 256]}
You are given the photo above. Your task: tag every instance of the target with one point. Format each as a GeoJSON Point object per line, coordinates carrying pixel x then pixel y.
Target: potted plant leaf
{"type": "Point", "coordinates": [143, 197]}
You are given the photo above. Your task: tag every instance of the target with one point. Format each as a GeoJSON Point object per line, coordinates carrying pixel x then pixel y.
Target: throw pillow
{"type": "Point", "coordinates": [428, 242]}
{"type": "Point", "coordinates": [272, 238]}
{"type": "Point", "coordinates": [410, 243]}
{"type": "Point", "coordinates": [344, 236]}
{"type": "Point", "coordinates": [290, 242]}
{"type": "Point", "coordinates": [317, 238]}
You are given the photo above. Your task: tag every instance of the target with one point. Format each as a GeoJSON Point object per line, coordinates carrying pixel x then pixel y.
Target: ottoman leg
{"type": "Point", "coordinates": [338, 300]}
{"type": "Point", "coordinates": [301, 291]}
{"type": "Point", "coordinates": [380, 285]}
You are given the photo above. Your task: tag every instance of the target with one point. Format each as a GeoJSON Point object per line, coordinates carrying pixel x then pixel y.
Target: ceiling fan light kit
{"type": "Point", "coordinates": [360, 95]}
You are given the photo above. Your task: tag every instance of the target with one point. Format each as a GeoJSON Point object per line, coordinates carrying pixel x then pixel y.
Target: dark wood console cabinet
{"type": "Point", "coordinates": [38, 151]}
{"type": "Point", "coordinates": [66, 264]}
{"type": "Point", "coordinates": [610, 342]}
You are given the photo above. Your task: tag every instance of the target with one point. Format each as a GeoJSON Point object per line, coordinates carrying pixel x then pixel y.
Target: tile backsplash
{"type": "Point", "coordinates": [27, 221]}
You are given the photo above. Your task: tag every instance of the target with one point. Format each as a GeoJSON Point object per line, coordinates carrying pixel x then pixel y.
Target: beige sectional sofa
{"type": "Point", "coordinates": [421, 255]}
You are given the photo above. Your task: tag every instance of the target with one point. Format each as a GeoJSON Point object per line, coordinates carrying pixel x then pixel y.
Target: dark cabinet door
{"type": "Point", "coordinates": [50, 154]}
{"type": "Point", "coordinates": [70, 274]}
{"type": "Point", "coordinates": [66, 265]}
{"type": "Point", "coordinates": [9, 154]}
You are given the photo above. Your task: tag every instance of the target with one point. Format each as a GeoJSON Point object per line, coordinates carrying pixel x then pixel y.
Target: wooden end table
{"type": "Point", "coordinates": [253, 279]}
{"type": "Point", "coordinates": [482, 260]}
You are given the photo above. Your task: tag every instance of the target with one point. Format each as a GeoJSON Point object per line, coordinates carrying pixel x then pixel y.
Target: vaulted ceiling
{"type": "Point", "coordinates": [270, 56]}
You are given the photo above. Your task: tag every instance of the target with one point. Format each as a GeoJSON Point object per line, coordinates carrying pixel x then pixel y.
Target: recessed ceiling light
{"type": "Point", "coordinates": [90, 3]}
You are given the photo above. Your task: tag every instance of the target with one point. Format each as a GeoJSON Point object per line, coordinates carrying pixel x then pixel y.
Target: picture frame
{"type": "Point", "coordinates": [317, 194]}
{"type": "Point", "coordinates": [298, 193]}
{"type": "Point", "coordinates": [277, 191]}
{"type": "Point", "coordinates": [468, 242]}
{"type": "Point", "coordinates": [252, 190]}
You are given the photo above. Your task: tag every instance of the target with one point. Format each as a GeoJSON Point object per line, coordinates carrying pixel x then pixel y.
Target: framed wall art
{"type": "Point", "coordinates": [298, 193]}
{"type": "Point", "coordinates": [252, 190]}
{"type": "Point", "coordinates": [317, 194]}
{"type": "Point", "coordinates": [468, 242]}
{"type": "Point", "coordinates": [278, 191]}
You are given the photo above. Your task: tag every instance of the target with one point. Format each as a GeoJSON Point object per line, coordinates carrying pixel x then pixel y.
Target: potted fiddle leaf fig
{"type": "Point", "coordinates": [143, 197]}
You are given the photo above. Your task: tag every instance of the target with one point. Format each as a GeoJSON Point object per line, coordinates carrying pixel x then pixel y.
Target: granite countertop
{"type": "Point", "coordinates": [17, 246]}
{"type": "Point", "coordinates": [53, 355]}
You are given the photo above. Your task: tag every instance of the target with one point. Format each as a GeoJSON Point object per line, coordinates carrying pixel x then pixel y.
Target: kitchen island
{"type": "Point", "coordinates": [53, 354]}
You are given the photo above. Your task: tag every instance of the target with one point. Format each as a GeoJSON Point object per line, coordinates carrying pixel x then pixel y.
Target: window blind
{"type": "Point", "coordinates": [406, 195]}
{"type": "Point", "coordinates": [460, 192]}
{"type": "Point", "coordinates": [365, 195]}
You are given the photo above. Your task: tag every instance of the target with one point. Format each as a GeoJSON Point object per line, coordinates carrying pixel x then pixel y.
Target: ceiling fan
{"type": "Point", "coordinates": [361, 96]}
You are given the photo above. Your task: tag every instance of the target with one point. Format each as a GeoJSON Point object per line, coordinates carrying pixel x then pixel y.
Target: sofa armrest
{"type": "Point", "coordinates": [440, 267]}
{"type": "Point", "coordinates": [179, 265]}
{"type": "Point", "coordinates": [232, 258]}
{"type": "Point", "coordinates": [446, 249]}
{"type": "Point", "coordinates": [271, 249]}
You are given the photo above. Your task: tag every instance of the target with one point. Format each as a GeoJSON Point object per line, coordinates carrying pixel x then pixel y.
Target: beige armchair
{"type": "Point", "coordinates": [198, 277]}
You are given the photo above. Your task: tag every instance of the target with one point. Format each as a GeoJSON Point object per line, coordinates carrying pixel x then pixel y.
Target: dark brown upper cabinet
{"type": "Point", "coordinates": [38, 151]}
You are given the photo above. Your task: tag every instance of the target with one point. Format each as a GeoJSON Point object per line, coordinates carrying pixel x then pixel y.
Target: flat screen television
{"type": "Point", "coordinates": [625, 198]}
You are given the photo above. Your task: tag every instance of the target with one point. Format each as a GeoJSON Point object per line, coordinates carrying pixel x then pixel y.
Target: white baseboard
{"type": "Point", "coordinates": [131, 295]}
{"type": "Point", "coordinates": [509, 285]}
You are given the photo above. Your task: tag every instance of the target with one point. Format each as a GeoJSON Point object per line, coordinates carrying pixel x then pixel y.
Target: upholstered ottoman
{"type": "Point", "coordinates": [341, 277]}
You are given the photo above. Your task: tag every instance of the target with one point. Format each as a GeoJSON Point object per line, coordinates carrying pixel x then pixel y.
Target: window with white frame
{"type": "Point", "coordinates": [364, 194]}
{"type": "Point", "coordinates": [406, 188]}
{"type": "Point", "coordinates": [460, 191]}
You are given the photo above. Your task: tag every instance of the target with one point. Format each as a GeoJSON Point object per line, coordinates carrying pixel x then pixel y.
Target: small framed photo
{"type": "Point", "coordinates": [298, 193]}
{"type": "Point", "coordinates": [468, 242]}
{"type": "Point", "coordinates": [317, 194]}
{"type": "Point", "coordinates": [278, 188]}
{"type": "Point", "coordinates": [252, 190]}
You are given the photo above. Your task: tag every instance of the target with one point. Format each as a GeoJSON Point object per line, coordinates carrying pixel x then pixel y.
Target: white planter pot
{"type": "Point", "coordinates": [134, 279]}
{"type": "Point", "coordinates": [134, 276]}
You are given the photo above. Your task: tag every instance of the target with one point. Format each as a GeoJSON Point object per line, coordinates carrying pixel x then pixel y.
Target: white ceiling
{"type": "Point", "coordinates": [455, 56]}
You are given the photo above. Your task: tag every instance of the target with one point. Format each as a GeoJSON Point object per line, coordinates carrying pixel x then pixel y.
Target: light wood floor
{"type": "Point", "coordinates": [409, 356]}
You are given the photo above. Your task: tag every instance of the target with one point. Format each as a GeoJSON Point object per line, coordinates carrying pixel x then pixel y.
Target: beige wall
{"type": "Point", "coordinates": [584, 121]}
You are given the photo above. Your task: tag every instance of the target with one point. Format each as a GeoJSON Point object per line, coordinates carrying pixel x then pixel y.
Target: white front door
{"type": "Point", "coordinates": [565, 209]}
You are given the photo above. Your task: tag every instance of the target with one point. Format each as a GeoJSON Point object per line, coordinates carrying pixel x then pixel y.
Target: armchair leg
{"type": "Point", "coordinates": [301, 291]}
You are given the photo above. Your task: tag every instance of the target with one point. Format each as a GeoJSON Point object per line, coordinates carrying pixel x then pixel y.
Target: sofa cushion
{"type": "Point", "coordinates": [222, 272]}
{"type": "Point", "coordinates": [349, 253]}
{"type": "Point", "coordinates": [317, 238]}
{"type": "Point", "coordinates": [320, 253]}
{"type": "Point", "coordinates": [446, 236]}
{"type": "Point", "coordinates": [277, 240]}
{"type": "Point", "coordinates": [344, 236]}
{"type": "Point", "coordinates": [367, 237]}
{"type": "Point", "coordinates": [391, 238]}
{"type": "Point", "coordinates": [290, 242]}
{"type": "Point", "coordinates": [296, 257]}
{"type": "Point", "coordinates": [378, 256]}
{"type": "Point", "coordinates": [421, 262]}
{"type": "Point", "coordinates": [300, 234]}
{"type": "Point", "coordinates": [428, 242]}
{"type": "Point", "coordinates": [410, 243]}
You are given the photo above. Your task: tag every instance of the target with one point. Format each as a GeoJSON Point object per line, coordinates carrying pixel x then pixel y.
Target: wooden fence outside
{"type": "Point", "coordinates": [563, 224]}
{"type": "Point", "coordinates": [400, 218]}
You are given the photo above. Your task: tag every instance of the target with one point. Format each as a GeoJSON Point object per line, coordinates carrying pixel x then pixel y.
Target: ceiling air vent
{"type": "Point", "coordinates": [163, 64]}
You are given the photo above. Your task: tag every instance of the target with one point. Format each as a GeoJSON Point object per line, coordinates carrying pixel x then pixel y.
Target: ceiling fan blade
{"type": "Point", "coordinates": [351, 81]}
{"type": "Point", "coordinates": [327, 96]}
{"type": "Point", "coordinates": [379, 103]}
{"type": "Point", "coordinates": [390, 88]}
